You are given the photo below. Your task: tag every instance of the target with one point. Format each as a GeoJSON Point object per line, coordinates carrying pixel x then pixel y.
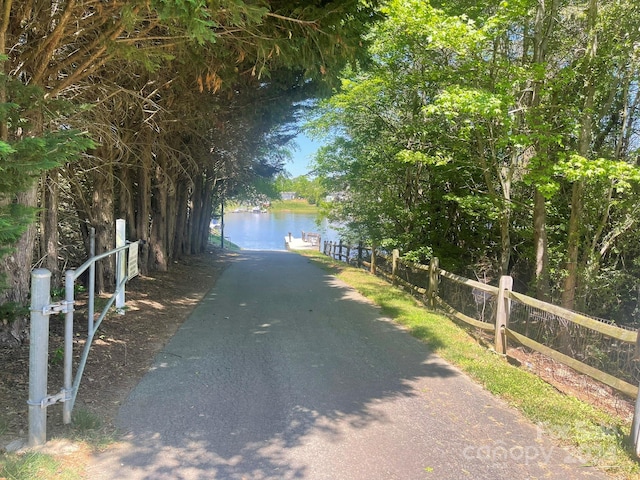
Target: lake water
{"type": "Point", "coordinates": [266, 231]}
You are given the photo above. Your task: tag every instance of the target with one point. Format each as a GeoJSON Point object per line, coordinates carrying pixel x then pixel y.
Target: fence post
{"type": "Point", "coordinates": [373, 259]}
{"type": "Point", "coordinates": [67, 406]}
{"type": "Point", "coordinates": [359, 254]}
{"type": "Point", "coordinates": [635, 427]}
{"type": "Point", "coordinates": [38, 355]}
{"type": "Point", "coordinates": [394, 265]}
{"type": "Point", "coordinates": [340, 251]}
{"type": "Point", "coordinates": [92, 278]}
{"type": "Point", "coordinates": [502, 314]}
{"type": "Point", "coordinates": [432, 291]}
{"type": "Point", "coordinates": [120, 263]}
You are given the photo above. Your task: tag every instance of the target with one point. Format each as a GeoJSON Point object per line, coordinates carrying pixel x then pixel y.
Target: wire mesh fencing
{"type": "Point", "coordinates": [591, 347]}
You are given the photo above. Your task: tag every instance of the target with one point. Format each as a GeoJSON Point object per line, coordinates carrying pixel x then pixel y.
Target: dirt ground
{"type": "Point", "coordinates": [123, 347]}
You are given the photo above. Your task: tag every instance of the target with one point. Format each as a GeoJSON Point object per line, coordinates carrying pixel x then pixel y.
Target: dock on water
{"type": "Point", "coordinates": [308, 241]}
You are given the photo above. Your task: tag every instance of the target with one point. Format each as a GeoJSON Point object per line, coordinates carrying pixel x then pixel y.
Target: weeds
{"type": "Point", "coordinates": [29, 466]}
{"type": "Point", "coordinates": [4, 426]}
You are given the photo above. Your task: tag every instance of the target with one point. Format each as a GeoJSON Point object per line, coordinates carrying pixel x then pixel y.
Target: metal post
{"type": "Point", "coordinates": [92, 278]}
{"type": "Point", "coordinates": [635, 428]}
{"type": "Point", "coordinates": [121, 227]}
{"type": "Point", "coordinates": [67, 406]}
{"type": "Point", "coordinates": [38, 355]}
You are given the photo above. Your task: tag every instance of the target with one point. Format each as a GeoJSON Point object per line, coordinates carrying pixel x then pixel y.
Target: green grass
{"type": "Point", "coordinates": [598, 437]}
{"type": "Point", "coordinates": [87, 431]}
{"type": "Point", "coordinates": [215, 240]}
{"type": "Point", "coordinates": [4, 425]}
{"type": "Point", "coordinates": [297, 206]}
{"type": "Point", "coordinates": [33, 465]}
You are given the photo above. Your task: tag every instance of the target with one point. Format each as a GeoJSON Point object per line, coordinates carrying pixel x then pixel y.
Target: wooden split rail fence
{"type": "Point", "coordinates": [603, 351]}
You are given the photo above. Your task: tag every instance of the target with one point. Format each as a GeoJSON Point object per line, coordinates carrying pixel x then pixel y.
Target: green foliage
{"type": "Point", "coordinates": [576, 167]}
{"type": "Point", "coordinates": [419, 255]}
{"type": "Point", "coordinates": [29, 152]}
{"type": "Point", "coordinates": [311, 190]}
{"type": "Point", "coordinates": [297, 206]}
{"type": "Point", "coordinates": [467, 111]}
{"type": "Point", "coordinates": [10, 312]}
{"type": "Point", "coordinates": [33, 465]}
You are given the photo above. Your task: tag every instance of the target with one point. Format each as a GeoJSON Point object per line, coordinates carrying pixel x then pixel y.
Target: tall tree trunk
{"type": "Point", "coordinates": [541, 246]}
{"type": "Point", "coordinates": [49, 235]}
{"type": "Point", "coordinates": [584, 143]}
{"type": "Point", "coordinates": [5, 11]}
{"type": "Point", "coordinates": [573, 246]}
{"type": "Point", "coordinates": [544, 27]}
{"type": "Point", "coordinates": [207, 211]}
{"type": "Point", "coordinates": [144, 197]}
{"type": "Point", "coordinates": [16, 267]}
{"type": "Point", "coordinates": [182, 219]}
{"type": "Point", "coordinates": [158, 239]}
{"type": "Point", "coordinates": [125, 207]}
{"type": "Point", "coordinates": [104, 223]}
{"type": "Point", "coordinates": [172, 214]}
{"type": "Point", "coordinates": [196, 213]}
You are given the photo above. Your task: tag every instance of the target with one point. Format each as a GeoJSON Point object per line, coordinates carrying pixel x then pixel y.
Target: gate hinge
{"type": "Point", "coordinates": [62, 396]}
{"type": "Point", "coordinates": [59, 307]}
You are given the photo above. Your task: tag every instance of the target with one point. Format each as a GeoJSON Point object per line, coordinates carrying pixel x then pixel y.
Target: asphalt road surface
{"type": "Point", "coordinates": [284, 372]}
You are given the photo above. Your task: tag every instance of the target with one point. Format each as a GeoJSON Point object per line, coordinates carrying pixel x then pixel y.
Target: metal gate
{"type": "Point", "coordinates": [126, 254]}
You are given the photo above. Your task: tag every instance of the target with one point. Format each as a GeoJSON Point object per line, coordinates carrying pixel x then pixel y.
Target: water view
{"type": "Point", "coordinates": [266, 231]}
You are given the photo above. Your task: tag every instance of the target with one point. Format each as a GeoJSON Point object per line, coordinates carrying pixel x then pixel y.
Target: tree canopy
{"type": "Point", "coordinates": [151, 111]}
{"type": "Point", "coordinates": [502, 138]}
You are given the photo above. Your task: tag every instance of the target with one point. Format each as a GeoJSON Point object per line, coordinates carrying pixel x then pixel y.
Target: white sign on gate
{"type": "Point", "coordinates": [132, 264]}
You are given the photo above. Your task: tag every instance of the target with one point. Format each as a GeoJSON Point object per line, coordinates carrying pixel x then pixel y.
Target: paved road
{"type": "Point", "coordinates": [283, 372]}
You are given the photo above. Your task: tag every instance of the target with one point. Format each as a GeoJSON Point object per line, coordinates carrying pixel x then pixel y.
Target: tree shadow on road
{"type": "Point", "coordinates": [296, 371]}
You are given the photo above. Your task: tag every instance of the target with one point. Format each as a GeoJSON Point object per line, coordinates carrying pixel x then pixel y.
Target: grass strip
{"type": "Point", "coordinates": [34, 465]}
{"type": "Point", "coordinates": [597, 437]}
{"type": "Point", "coordinates": [215, 241]}
{"type": "Point", "coordinates": [297, 206]}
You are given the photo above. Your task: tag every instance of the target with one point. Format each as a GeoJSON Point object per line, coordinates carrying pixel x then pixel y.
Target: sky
{"type": "Point", "coordinates": [302, 156]}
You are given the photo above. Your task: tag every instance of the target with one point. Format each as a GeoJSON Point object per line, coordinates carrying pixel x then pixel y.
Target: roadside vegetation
{"type": "Point", "coordinates": [597, 437]}
{"type": "Point", "coordinates": [502, 138]}
{"type": "Point", "coordinates": [31, 466]}
{"type": "Point", "coordinates": [297, 206]}
{"type": "Point", "coordinates": [307, 187]}
{"type": "Point", "coordinates": [212, 90]}
{"type": "Point", "coordinates": [215, 240]}
{"type": "Point", "coordinates": [87, 433]}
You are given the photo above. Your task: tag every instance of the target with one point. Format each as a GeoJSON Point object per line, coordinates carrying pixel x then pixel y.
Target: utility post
{"type": "Point", "coordinates": [121, 273]}
{"type": "Point", "coordinates": [39, 356]}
